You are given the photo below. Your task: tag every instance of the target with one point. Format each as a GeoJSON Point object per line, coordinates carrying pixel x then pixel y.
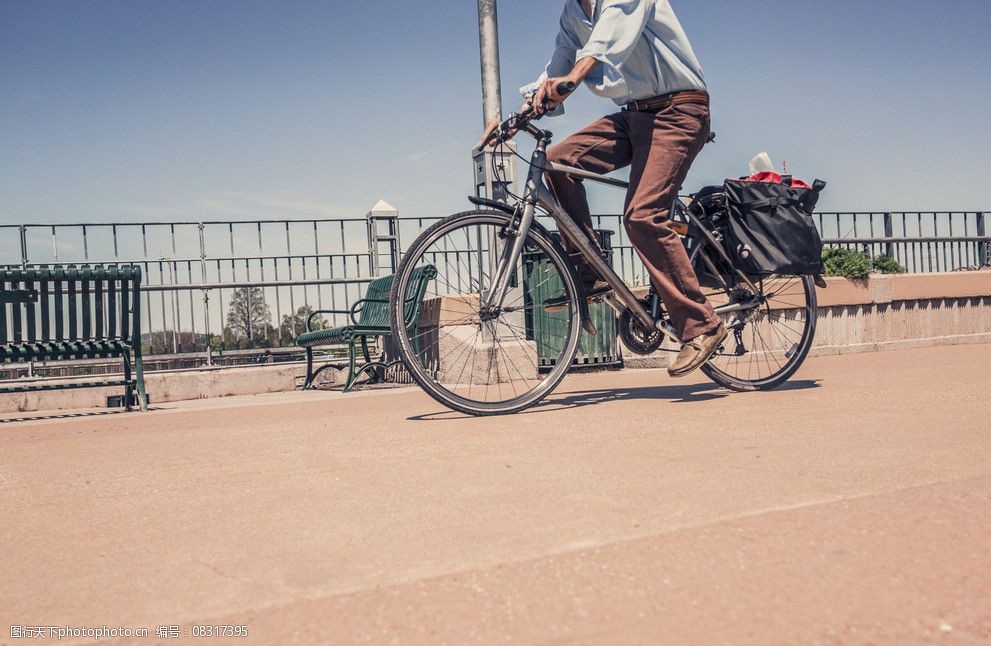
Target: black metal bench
{"type": "Point", "coordinates": [369, 319]}
{"type": "Point", "coordinates": [85, 312]}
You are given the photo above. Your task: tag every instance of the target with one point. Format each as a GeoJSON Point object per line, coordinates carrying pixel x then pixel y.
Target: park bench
{"type": "Point", "coordinates": [369, 319]}
{"type": "Point", "coordinates": [64, 313]}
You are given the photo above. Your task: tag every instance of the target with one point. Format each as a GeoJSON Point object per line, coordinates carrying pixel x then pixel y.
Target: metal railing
{"type": "Point", "coordinates": [193, 270]}
{"type": "Point", "coordinates": [923, 242]}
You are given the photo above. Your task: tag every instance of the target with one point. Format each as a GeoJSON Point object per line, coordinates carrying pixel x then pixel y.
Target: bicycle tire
{"type": "Point", "coordinates": [413, 258]}
{"type": "Point", "coordinates": [795, 361]}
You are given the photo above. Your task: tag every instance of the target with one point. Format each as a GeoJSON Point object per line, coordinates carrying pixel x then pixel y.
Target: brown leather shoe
{"type": "Point", "coordinates": [560, 303]}
{"type": "Point", "coordinates": [696, 352]}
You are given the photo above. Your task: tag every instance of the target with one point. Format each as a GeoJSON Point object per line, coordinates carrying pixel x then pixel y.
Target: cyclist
{"type": "Point", "coordinates": [636, 53]}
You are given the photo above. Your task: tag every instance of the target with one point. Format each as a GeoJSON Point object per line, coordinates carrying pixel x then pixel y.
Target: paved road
{"type": "Point", "coordinates": [853, 507]}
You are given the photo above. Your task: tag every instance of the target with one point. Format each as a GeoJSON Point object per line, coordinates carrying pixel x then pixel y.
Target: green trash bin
{"type": "Point", "coordinates": [599, 350]}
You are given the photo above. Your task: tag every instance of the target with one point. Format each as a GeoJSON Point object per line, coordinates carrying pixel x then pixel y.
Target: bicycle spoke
{"type": "Point", "coordinates": [471, 356]}
{"type": "Point", "coordinates": [773, 334]}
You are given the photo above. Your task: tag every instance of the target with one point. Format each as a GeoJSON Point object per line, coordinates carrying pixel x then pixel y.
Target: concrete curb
{"type": "Point", "coordinates": [169, 386]}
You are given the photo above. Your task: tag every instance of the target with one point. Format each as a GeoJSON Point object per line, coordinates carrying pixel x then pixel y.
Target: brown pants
{"type": "Point", "coordinates": [659, 147]}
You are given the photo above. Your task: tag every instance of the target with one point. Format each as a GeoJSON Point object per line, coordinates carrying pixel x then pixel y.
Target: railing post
{"type": "Point", "coordinates": [206, 296]}
{"type": "Point", "coordinates": [373, 251]}
{"type": "Point", "coordinates": [889, 232]}
{"type": "Point", "coordinates": [869, 252]}
{"type": "Point", "coordinates": [983, 247]}
{"type": "Point", "coordinates": [24, 265]}
{"type": "Point", "coordinates": [395, 244]}
{"type": "Point", "coordinates": [24, 246]}
{"type": "Point", "coordinates": [382, 211]}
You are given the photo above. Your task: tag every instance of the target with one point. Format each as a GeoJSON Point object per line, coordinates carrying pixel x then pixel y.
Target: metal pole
{"type": "Point", "coordinates": [495, 185]}
{"type": "Point", "coordinates": [889, 232]}
{"type": "Point", "coordinates": [373, 246]}
{"type": "Point", "coordinates": [206, 295]}
{"type": "Point", "coordinates": [394, 243]}
{"type": "Point", "coordinates": [983, 248]}
{"type": "Point", "coordinates": [24, 246]}
{"type": "Point", "coordinates": [488, 44]}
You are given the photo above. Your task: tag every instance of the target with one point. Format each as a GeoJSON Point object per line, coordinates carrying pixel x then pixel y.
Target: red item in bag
{"type": "Point", "coordinates": [771, 177]}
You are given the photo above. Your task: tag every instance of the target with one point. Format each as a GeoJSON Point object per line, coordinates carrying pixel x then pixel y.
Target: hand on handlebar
{"type": "Point", "coordinates": [489, 138]}
{"type": "Point", "coordinates": [496, 131]}
{"type": "Point", "coordinates": [552, 93]}
{"type": "Point", "coordinates": [505, 129]}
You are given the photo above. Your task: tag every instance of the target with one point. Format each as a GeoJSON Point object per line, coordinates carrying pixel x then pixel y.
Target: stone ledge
{"type": "Point", "coordinates": [887, 288]}
{"type": "Point", "coordinates": [915, 287]}
{"type": "Point", "coordinates": [171, 386]}
{"type": "Point", "coordinates": [846, 291]}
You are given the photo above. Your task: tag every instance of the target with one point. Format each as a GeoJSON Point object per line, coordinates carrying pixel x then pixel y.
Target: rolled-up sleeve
{"type": "Point", "coordinates": [619, 27]}
{"type": "Point", "coordinates": [561, 63]}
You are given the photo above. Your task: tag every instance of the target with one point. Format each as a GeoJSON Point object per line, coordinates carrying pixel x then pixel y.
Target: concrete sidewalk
{"type": "Point", "coordinates": [629, 508]}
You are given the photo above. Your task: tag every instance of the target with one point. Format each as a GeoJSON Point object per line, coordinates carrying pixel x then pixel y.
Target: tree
{"type": "Point", "coordinates": [249, 316]}
{"type": "Point", "coordinates": [295, 324]}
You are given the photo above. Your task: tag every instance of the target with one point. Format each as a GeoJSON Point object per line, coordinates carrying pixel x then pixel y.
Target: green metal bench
{"type": "Point", "coordinates": [369, 319]}
{"type": "Point", "coordinates": [86, 312]}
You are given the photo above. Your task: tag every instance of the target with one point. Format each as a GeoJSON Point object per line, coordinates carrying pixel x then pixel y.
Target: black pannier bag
{"type": "Point", "coordinates": [770, 228]}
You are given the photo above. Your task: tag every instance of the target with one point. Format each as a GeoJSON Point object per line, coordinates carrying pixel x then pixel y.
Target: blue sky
{"type": "Point", "coordinates": [131, 110]}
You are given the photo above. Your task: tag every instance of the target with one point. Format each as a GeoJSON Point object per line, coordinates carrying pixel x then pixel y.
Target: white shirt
{"type": "Point", "coordinates": [640, 45]}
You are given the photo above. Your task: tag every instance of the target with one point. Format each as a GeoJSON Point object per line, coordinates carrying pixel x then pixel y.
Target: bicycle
{"type": "Point", "coordinates": [485, 346]}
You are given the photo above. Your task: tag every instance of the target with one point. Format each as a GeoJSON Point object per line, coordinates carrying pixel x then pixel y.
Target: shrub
{"type": "Point", "coordinates": [845, 262]}
{"type": "Point", "coordinates": [888, 265]}
{"type": "Point", "coordinates": [856, 264]}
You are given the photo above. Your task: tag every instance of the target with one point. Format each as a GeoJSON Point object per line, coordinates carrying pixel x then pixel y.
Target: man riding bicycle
{"type": "Point", "coordinates": [636, 53]}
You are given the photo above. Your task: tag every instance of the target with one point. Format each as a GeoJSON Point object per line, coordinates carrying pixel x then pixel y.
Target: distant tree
{"type": "Point", "coordinates": [248, 316]}
{"type": "Point", "coordinates": [295, 324]}
{"type": "Point", "coordinates": [222, 341]}
{"type": "Point", "coordinates": [170, 342]}
{"type": "Point", "coordinates": [191, 342]}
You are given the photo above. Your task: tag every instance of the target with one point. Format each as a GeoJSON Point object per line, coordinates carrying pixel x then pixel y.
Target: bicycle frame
{"type": "Point", "coordinates": [536, 192]}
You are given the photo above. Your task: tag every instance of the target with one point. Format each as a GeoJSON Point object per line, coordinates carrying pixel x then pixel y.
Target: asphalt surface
{"type": "Point", "coordinates": [851, 507]}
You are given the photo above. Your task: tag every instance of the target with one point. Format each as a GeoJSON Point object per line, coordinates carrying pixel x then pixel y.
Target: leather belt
{"type": "Point", "coordinates": [662, 101]}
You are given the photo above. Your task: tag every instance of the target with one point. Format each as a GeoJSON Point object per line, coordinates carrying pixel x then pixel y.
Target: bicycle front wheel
{"type": "Point", "coordinates": [493, 362]}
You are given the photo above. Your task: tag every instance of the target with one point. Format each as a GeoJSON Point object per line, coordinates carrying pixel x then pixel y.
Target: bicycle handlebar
{"type": "Point", "coordinates": [565, 87]}
{"type": "Point", "coordinates": [520, 121]}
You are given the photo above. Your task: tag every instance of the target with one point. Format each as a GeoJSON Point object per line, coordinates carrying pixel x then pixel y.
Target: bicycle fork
{"type": "Point", "coordinates": [514, 238]}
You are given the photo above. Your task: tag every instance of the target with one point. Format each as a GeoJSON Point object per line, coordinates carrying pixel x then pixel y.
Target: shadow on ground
{"type": "Point", "coordinates": [689, 393]}
{"type": "Point", "coordinates": [66, 415]}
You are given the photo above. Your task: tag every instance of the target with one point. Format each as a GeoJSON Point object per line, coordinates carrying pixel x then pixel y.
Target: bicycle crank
{"type": "Point", "coordinates": [638, 338]}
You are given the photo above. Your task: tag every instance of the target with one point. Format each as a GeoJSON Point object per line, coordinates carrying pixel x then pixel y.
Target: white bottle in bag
{"type": "Point", "coordinates": [761, 163]}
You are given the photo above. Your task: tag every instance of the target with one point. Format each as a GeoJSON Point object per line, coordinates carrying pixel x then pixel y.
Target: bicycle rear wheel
{"type": "Point", "coordinates": [767, 343]}
{"type": "Point", "coordinates": [484, 363]}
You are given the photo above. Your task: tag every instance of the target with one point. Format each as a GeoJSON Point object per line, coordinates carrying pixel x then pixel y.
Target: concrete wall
{"type": "Point", "coordinates": [879, 313]}
{"type": "Point", "coordinates": [886, 312]}
{"type": "Point", "coordinates": [902, 311]}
